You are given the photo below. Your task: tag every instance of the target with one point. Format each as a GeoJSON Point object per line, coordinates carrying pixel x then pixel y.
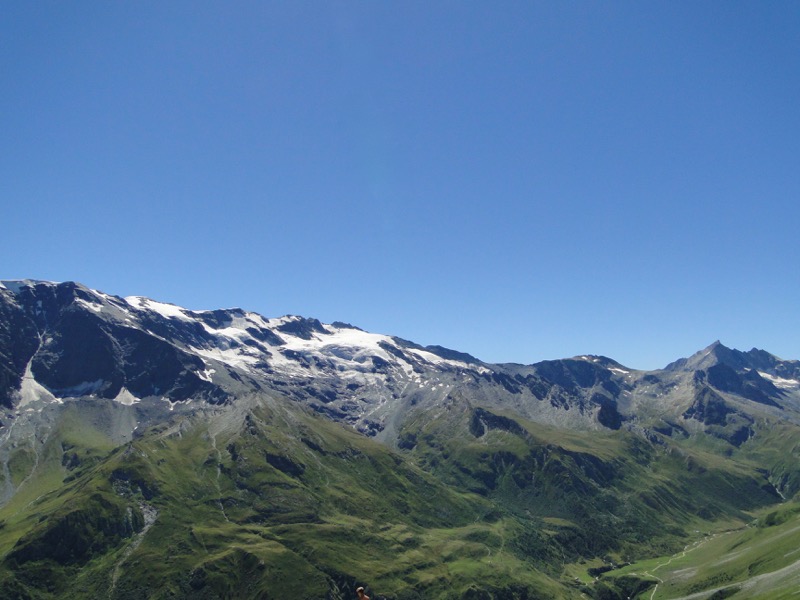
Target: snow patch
{"type": "Point", "coordinates": [32, 391]}
{"type": "Point", "coordinates": [98, 308]}
{"type": "Point", "coordinates": [587, 358]}
{"type": "Point", "coordinates": [779, 381]}
{"type": "Point", "coordinates": [274, 323]}
{"type": "Point", "coordinates": [343, 345]}
{"type": "Point", "coordinates": [205, 375]}
{"type": "Point", "coordinates": [235, 357]}
{"type": "Point", "coordinates": [172, 403]}
{"type": "Point", "coordinates": [437, 360]}
{"type": "Point", "coordinates": [126, 398]}
{"type": "Point", "coordinates": [169, 311]}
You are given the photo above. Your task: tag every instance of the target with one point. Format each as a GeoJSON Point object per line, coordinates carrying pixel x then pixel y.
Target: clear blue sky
{"type": "Point", "coordinates": [518, 180]}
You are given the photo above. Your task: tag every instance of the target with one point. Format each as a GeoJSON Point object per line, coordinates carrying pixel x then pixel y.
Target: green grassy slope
{"type": "Point", "coordinates": [603, 493]}
{"type": "Point", "coordinates": [758, 561]}
{"type": "Point", "coordinates": [262, 499]}
{"type": "Point", "coordinates": [260, 503]}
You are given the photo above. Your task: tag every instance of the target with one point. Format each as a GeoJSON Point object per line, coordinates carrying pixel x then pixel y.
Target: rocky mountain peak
{"type": "Point", "coordinates": [714, 354]}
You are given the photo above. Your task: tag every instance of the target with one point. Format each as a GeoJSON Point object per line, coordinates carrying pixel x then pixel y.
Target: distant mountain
{"type": "Point", "coordinates": [561, 460]}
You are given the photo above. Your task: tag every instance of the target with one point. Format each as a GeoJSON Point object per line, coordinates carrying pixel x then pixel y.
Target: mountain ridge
{"type": "Point", "coordinates": [171, 309]}
{"type": "Point", "coordinates": [201, 354]}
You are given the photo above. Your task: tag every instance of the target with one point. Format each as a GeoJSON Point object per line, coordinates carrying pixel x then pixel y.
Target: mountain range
{"type": "Point", "coordinates": [151, 451]}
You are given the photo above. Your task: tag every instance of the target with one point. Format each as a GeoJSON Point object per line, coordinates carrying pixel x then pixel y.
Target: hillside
{"type": "Point", "coordinates": [150, 451]}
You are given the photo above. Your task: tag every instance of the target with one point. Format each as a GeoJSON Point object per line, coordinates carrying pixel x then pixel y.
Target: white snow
{"type": "Point", "coordinates": [206, 375]}
{"type": "Point", "coordinates": [15, 285]}
{"type": "Point", "coordinates": [126, 398]}
{"type": "Point", "coordinates": [621, 371]}
{"type": "Point", "coordinates": [237, 330]}
{"type": "Point", "coordinates": [779, 381]}
{"type": "Point", "coordinates": [233, 332]}
{"type": "Point", "coordinates": [593, 359]}
{"type": "Point", "coordinates": [235, 357]}
{"type": "Point", "coordinates": [170, 311]}
{"type": "Point", "coordinates": [257, 320]}
{"type": "Point", "coordinates": [348, 350]}
{"type": "Point", "coordinates": [342, 347]}
{"type": "Point", "coordinates": [31, 390]}
{"type": "Point", "coordinates": [356, 341]}
{"type": "Point", "coordinates": [435, 359]}
{"type": "Point", "coordinates": [278, 321]}
{"type": "Point", "coordinates": [98, 308]}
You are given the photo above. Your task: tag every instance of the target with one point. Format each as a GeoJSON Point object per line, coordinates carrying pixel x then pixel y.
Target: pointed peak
{"type": "Point", "coordinates": [717, 350]}
{"type": "Point", "coordinates": [714, 354]}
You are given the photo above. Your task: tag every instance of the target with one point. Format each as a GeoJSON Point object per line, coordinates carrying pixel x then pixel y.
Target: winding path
{"type": "Point", "coordinates": [688, 548]}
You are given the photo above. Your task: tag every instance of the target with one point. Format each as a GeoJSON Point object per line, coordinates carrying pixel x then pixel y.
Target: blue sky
{"type": "Point", "coordinates": [520, 180]}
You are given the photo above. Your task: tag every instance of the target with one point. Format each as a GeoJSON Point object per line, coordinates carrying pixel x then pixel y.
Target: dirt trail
{"type": "Point", "coordinates": [748, 584]}
{"type": "Point", "coordinates": [683, 553]}
{"type": "Point", "coordinates": [792, 570]}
